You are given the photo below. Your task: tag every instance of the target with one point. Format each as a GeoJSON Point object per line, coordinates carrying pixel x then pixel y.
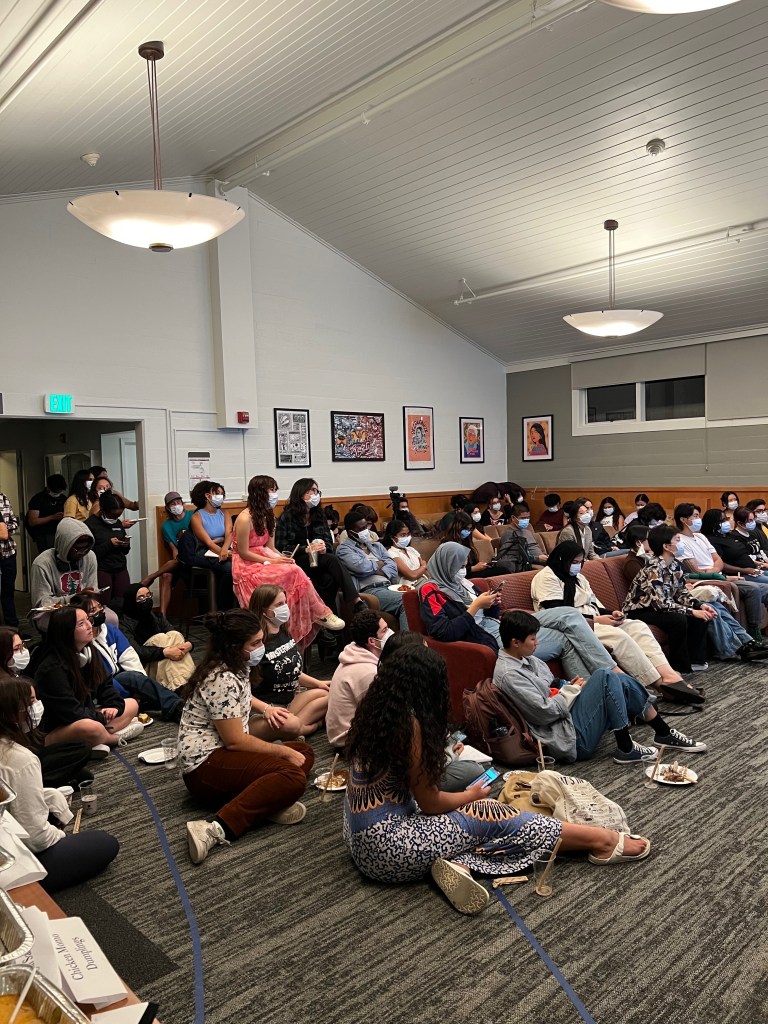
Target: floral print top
{"type": "Point", "coordinates": [660, 587]}
{"type": "Point", "coordinates": [221, 695]}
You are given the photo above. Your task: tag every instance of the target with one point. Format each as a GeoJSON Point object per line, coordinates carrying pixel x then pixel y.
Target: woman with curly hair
{"type": "Point", "coordinates": [223, 764]}
{"type": "Point", "coordinates": [256, 561]}
{"type": "Point", "coordinates": [399, 824]}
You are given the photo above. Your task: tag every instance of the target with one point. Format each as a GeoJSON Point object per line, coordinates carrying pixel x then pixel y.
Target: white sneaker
{"type": "Point", "coordinates": [289, 815]}
{"type": "Point", "coordinates": [129, 732]}
{"type": "Point", "coordinates": [332, 622]}
{"type": "Point", "coordinates": [202, 836]}
{"type": "Point", "coordinates": [100, 751]}
{"type": "Point", "coordinates": [700, 668]}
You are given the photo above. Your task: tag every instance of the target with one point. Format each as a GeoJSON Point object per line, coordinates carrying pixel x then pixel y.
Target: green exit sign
{"type": "Point", "coordinates": [60, 405]}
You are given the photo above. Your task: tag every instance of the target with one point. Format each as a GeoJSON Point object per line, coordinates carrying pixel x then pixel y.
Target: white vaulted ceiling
{"type": "Point", "coordinates": [432, 140]}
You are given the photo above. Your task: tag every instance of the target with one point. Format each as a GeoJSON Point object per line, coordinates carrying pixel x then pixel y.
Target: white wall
{"type": "Point", "coordinates": [129, 334]}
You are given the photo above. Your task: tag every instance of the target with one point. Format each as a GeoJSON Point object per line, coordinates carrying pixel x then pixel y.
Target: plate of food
{"type": "Point", "coordinates": [145, 719]}
{"type": "Point", "coordinates": [338, 782]}
{"type": "Point", "coordinates": [399, 588]}
{"type": "Point", "coordinates": [673, 774]}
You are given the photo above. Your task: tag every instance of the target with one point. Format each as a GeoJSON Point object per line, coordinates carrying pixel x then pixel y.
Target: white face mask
{"type": "Point", "coordinates": [383, 639]}
{"type": "Point", "coordinates": [608, 510]}
{"type": "Point", "coordinates": [364, 536]}
{"type": "Point", "coordinates": [34, 715]}
{"type": "Point", "coordinates": [733, 505]}
{"type": "Point", "coordinates": [695, 525]}
{"type": "Point", "coordinates": [476, 517]}
{"type": "Point", "coordinates": [217, 500]}
{"type": "Point", "coordinates": [281, 614]}
{"type": "Point", "coordinates": [88, 484]}
{"type": "Point", "coordinates": [20, 660]}
{"type": "Point", "coordinates": [176, 510]}
{"type": "Point", "coordinates": [254, 657]}
{"type": "Point", "coordinates": [462, 573]}
{"type": "Point", "coordinates": [110, 522]}
{"type": "Point", "coordinates": [679, 550]}
{"type": "Point", "coordinates": [585, 518]}
{"type": "Point", "coordinates": [496, 506]}
{"type": "Point", "coordinates": [575, 568]}
{"type": "Point", "coordinates": [273, 498]}
{"type": "Point", "coordinates": [553, 508]}
{"type": "Point", "coordinates": [761, 517]}
{"type": "Point", "coordinates": [313, 500]}
{"type": "Point", "coordinates": [403, 542]}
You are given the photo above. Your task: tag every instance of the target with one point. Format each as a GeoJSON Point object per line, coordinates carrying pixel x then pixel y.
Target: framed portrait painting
{"type": "Point", "coordinates": [357, 436]}
{"type": "Point", "coordinates": [537, 439]}
{"type": "Point", "coordinates": [418, 437]}
{"type": "Point", "coordinates": [471, 439]}
{"type": "Point", "coordinates": [292, 438]}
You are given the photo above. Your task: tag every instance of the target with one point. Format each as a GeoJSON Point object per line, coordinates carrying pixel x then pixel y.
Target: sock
{"type": "Point", "coordinates": [623, 739]}
{"type": "Point", "coordinates": [659, 726]}
{"type": "Point", "coordinates": [221, 826]}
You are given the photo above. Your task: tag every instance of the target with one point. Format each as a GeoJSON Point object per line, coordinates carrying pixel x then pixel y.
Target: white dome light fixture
{"type": "Point", "coordinates": [669, 6]}
{"type": "Point", "coordinates": [611, 322]}
{"type": "Point", "coordinates": [151, 218]}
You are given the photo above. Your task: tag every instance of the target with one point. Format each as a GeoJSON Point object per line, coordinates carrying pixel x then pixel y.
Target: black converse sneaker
{"type": "Point", "coordinates": [679, 741]}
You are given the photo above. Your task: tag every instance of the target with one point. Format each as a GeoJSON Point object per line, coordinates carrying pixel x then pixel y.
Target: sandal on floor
{"type": "Point", "coordinates": [681, 693]}
{"type": "Point", "coordinates": [465, 894]}
{"type": "Point", "coordinates": [618, 854]}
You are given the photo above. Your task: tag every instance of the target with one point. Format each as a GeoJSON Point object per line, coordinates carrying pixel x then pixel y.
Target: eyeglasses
{"type": "Point", "coordinates": [92, 615]}
{"type": "Point", "coordinates": [314, 490]}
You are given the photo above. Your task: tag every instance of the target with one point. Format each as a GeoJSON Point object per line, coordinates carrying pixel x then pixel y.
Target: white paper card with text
{"type": "Point", "coordinates": [86, 974]}
{"type": "Point", "coordinates": [42, 954]}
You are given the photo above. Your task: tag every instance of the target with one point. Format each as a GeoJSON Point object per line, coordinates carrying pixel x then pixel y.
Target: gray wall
{"type": "Point", "coordinates": [713, 456]}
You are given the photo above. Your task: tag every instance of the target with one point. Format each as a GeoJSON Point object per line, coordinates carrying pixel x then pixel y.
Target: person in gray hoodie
{"type": "Point", "coordinates": [65, 569]}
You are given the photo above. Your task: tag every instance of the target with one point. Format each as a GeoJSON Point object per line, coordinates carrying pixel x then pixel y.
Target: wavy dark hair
{"type": "Point", "coordinates": [201, 488]}
{"type": "Point", "coordinates": [711, 521]}
{"type": "Point", "coordinates": [411, 683]}
{"type": "Point", "coordinates": [394, 526]}
{"type": "Point", "coordinates": [262, 516]}
{"type": "Point", "coordinates": [78, 488]}
{"type": "Point", "coordinates": [573, 512]}
{"type": "Point", "coordinates": [296, 497]}
{"type": "Point", "coordinates": [461, 521]}
{"type": "Point", "coordinates": [608, 500]}
{"type": "Point", "coordinates": [633, 534]}
{"type": "Point", "coordinates": [230, 631]}
{"type": "Point", "coordinates": [16, 694]}
{"type": "Point", "coordinates": [85, 679]}
{"type": "Point", "coordinates": [7, 633]}
{"type": "Point", "coordinates": [405, 638]}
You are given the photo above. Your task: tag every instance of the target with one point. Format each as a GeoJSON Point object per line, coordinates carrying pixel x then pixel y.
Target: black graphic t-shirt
{"type": "Point", "coordinates": [280, 667]}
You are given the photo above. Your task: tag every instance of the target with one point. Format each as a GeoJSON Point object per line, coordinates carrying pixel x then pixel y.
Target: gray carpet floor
{"type": "Point", "coordinates": [292, 934]}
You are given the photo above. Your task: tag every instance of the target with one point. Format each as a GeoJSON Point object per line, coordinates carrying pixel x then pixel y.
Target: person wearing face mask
{"type": "Point", "coordinates": [100, 473]}
{"type": "Point", "coordinates": [43, 810]}
{"type": "Point", "coordinates": [358, 664]}
{"type": "Point", "coordinates": [162, 650]}
{"type": "Point", "coordinates": [111, 546]}
{"type": "Point", "coordinates": [577, 529]}
{"type": "Point", "coordinates": [410, 564]}
{"type": "Point", "coordinates": [287, 712]}
{"type": "Point", "coordinates": [44, 512]}
{"type": "Point", "coordinates": [636, 543]}
{"type": "Point", "coordinates": [552, 518]}
{"type": "Point", "coordinates": [630, 641]}
{"type": "Point", "coordinates": [401, 510]}
{"type": "Point", "coordinates": [372, 569]}
{"type": "Point", "coordinates": [659, 597]}
{"type": "Point", "coordinates": [640, 501]}
{"type": "Point", "coordinates": [757, 505]}
{"type": "Point", "coordinates": [610, 516]}
{"type": "Point", "coordinates": [519, 535]}
{"type": "Point", "coordinates": [224, 765]}
{"type": "Point", "coordinates": [462, 531]}
{"type": "Point", "coordinates": [78, 504]}
{"type": "Point", "coordinates": [208, 542]}
{"type": "Point", "coordinates": [173, 569]}
{"type": "Point", "coordinates": [474, 513]}
{"type": "Point", "coordinates": [303, 523]}
{"type": "Point", "coordinates": [494, 513]}
{"type": "Point", "coordinates": [750, 539]}
{"type": "Point", "coordinates": [730, 502]}
{"type": "Point", "coordinates": [451, 607]}
{"type": "Point", "coordinates": [66, 569]}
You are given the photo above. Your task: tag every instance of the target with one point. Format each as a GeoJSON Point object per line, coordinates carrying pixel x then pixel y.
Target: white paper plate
{"type": "Point", "coordinates": [154, 756]}
{"type": "Point", "coordinates": [320, 783]}
{"type": "Point", "coordinates": [396, 587]}
{"type": "Point", "coordinates": [691, 776]}
{"type": "Point", "coordinates": [149, 721]}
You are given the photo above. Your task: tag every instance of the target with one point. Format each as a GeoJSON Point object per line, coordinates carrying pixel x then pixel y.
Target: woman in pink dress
{"type": "Point", "coordinates": [255, 561]}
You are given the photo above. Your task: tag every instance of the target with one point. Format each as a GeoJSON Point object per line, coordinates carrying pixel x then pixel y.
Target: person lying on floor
{"type": "Point", "coordinates": [399, 824]}
{"type": "Point", "coordinates": [570, 716]}
{"type": "Point", "coordinates": [161, 648]}
{"type": "Point", "coordinates": [223, 764]}
{"type": "Point", "coordinates": [453, 609]}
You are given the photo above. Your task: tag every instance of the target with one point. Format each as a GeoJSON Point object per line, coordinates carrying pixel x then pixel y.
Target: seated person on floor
{"type": "Point", "coordinates": [123, 664]}
{"type": "Point", "coordinates": [281, 673]}
{"type": "Point", "coordinates": [171, 570]}
{"type": "Point", "coordinates": [399, 824]}
{"type": "Point", "coordinates": [373, 570]}
{"type": "Point", "coordinates": [411, 566]}
{"type": "Point", "coordinates": [65, 569]}
{"type": "Point", "coordinates": [451, 609]}
{"type": "Point", "coordinates": [223, 764]}
{"type": "Point", "coordinates": [45, 510]}
{"type": "Point", "coordinates": [111, 546]}
{"type": "Point", "coordinates": [358, 663]}
{"type": "Point", "coordinates": [658, 596]}
{"type": "Point", "coordinates": [162, 649]}
{"type": "Point", "coordinates": [40, 810]}
{"type": "Point", "coordinates": [552, 518]}
{"type": "Point", "coordinates": [630, 641]}
{"type": "Point", "coordinates": [76, 689]}
{"type": "Point", "coordinates": [640, 501]}
{"type": "Point", "coordinates": [519, 538]}
{"type": "Point", "coordinates": [570, 716]}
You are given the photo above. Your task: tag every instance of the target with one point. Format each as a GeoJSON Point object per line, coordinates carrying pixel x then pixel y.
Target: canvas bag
{"type": "Point", "coordinates": [486, 701]}
{"type": "Point", "coordinates": [577, 801]}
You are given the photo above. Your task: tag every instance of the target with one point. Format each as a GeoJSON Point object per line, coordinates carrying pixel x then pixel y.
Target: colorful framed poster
{"type": "Point", "coordinates": [537, 439]}
{"type": "Point", "coordinates": [418, 437]}
{"type": "Point", "coordinates": [292, 444]}
{"type": "Point", "coordinates": [471, 439]}
{"type": "Point", "coordinates": [357, 436]}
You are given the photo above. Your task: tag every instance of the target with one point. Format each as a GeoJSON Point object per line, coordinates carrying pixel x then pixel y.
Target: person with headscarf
{"type": "Point", "coordinates": [451, 607]}
{"type": "Point", "coordinates": [636, 651]}
{"type": "Point", "coordinates": [163, 651]}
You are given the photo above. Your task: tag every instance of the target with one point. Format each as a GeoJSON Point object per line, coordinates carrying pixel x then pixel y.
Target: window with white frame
{"type": "Point", "coordinates": [643, 405]}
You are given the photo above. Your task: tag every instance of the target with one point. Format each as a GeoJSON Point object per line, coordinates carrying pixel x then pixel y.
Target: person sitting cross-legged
{"type": "Point", "coordinates": [571, 716]}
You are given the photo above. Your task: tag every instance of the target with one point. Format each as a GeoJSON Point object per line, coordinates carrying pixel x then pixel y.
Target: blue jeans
{"type": "Point", "coordinates": [753, 592]}
{"type": "Point", "coordinates": [607, 701]}
{"type": "Point", "coordinates": [149, 694]}
{"type": "Point", "coordinates": [391, 602]}
{"type": "Point", "coordinates": [566, 635]}
{"type": "Point", "coordinates": [726, 634]}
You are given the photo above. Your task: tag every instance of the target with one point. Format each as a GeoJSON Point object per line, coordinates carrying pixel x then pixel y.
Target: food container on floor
{"type": "Point", "coordinates": [15, 937]}
{"type": "Point", "coordinates": [49, 1003]}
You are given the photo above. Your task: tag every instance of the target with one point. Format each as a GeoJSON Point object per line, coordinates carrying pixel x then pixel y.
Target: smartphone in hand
{"type": "Point", "coordinates": [489, 775]}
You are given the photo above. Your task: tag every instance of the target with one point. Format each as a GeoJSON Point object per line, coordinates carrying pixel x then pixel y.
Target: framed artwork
{"type": "Point", "coordinates": [537, 439]}
{"type": "Point", "coordinates": [357, 436]}
{"type": "Point", "coordinates": [471, 439]}
{"type": "Point", "coordinates": [418, 437]}
{"type": "Point", "coordinates": [292, 448]}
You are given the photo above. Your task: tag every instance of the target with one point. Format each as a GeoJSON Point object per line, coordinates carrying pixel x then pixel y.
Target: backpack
{"type": "Point", "coordinates": [513, 552]}
{"type": "Point", "coordinates": [186, 545]}
{"type": "Point", "coordinates": [486, 702]}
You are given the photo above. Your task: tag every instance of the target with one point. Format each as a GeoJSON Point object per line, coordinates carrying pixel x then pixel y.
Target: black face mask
{"type": "Point", "coordinates": [144, 604]}
{"type": "Point", "coordinates": [98, 619]}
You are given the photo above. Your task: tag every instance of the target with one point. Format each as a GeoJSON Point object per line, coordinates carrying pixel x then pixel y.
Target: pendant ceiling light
{"type": "Point", "coordinates": [669, 6]}
{"type": "Point", "coordinates": [154, 219]}
{"type": "Point", "coordinates": [610, 322]}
